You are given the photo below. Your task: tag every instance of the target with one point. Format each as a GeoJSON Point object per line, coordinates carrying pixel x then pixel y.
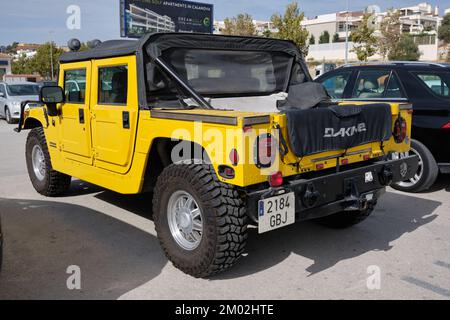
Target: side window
{"type": "Point", "coordinates": [371, 84]}
{"type": "Point", "coordinates": [2, 90]}
{"type": "Point", "coordinates": [75, 85]}
{"type": "Point", "coordinates": [113, 85]}
{"type": "Point", "coordinates": [335, 85]}
{"type": "Point", "coordinates": [438, 83]}
{"type": "Point", "coordinates": [394, 89]}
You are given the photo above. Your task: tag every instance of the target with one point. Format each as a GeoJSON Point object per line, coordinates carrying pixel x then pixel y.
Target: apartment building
{"type": "Point", "coordinates": [420, 19]}
{"type": "Point", "coordinates": [333, 23]}
{"type": "Point", "coordinates": [142, 21]}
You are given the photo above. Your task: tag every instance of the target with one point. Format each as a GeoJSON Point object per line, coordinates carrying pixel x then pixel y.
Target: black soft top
{"type": "Point", "coordinates": [107, 49]}
{"type": "Point", "coordinates": [155, 44]}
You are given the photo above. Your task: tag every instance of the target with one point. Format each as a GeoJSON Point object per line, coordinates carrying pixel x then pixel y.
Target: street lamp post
{"type": "Point", "coordinates": [51, 55]}
{"type": "Point", "coordinates": [346, 35]}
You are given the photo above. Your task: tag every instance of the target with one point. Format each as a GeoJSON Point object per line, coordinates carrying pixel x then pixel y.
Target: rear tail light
{"type": "Point", "coordinates": [226, 172]}
{"type": "Point", "coordinates": [345, 162]}
{"type": "Point", "coordinates": [276, 180]}
{"type": "Point", "coordinates": [234, 157]}
{"type": "Point", "coordinates": [400, 130]}
{"type": "Point", "coordinates": [446, 126]}
{"type": "Point", "coordinates": [265, 151]}
{"type": "Point", "coordinates": [320, 166]}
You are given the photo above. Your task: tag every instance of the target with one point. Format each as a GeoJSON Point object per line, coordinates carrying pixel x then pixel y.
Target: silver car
{"type": "Point", "coordinates": [11, 97]}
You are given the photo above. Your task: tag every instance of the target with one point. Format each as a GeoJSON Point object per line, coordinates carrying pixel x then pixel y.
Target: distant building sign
{"type": "Point", "coordinates": [139, 17]}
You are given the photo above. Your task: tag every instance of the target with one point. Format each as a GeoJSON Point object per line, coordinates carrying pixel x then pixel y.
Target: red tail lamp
{"type": "Point", "coordinates": [400, 130]}
{"type": "Point", "coordinates": [234, 157]}
{"type": "Point", "coordinates": [446, 126]}
{"type": "Point", "coordinates": [276, 180]}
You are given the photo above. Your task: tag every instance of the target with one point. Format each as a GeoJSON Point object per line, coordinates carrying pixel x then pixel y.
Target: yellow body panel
{"type": "Point", "coordinates": [116, 158]}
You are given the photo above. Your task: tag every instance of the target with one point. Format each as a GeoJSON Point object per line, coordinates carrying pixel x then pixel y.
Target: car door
{"type": "Point", "coordinates": [74, 128]}
{"type": "Point", "coordinates": [114, 113]}
{"type": "Point", "coordinates": [430, 94]}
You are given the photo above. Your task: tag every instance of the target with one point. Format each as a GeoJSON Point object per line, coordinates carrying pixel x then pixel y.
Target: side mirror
{"type": "Point", "coordinates": [2, 95]}
{"type": "Point", "coordinates": [51, 96]}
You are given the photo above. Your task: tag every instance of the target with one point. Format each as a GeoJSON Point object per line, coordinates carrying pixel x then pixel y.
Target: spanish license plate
{"type": "Point", "coordinates": [276, 212]}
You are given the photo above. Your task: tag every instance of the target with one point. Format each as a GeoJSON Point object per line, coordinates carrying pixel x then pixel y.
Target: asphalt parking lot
{"type": "Point", "coordinates": [112, 239]}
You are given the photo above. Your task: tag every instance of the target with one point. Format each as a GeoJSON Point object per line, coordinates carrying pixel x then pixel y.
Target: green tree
{"type": "Point", "coordinates": [22, 65]}
{"type": "Point", "coordinates": [242, 25]}
{"type": "Point", "coordinates": [42, 60]}
{"type": "Point", "coordinates": [312, 40]}
{"type": "Point", "coordinates": [391, 32]}
{"type": "Point", "coordinates": [336, 37]}
{"type": "Point", "coordinates": [444, 29]}
{"type": "Point", "coordinates": [364, 38]}
{"type": "Point", "coordinates": [12, 48]}
{"type": "Point", "coordinates": [324, 37]}
{"type": "Point", "coordinates": [267, 33]}
{"type": "Point", "coordinates": [405, 50]}
{"type": "Point", "coordinates": [290, 26]}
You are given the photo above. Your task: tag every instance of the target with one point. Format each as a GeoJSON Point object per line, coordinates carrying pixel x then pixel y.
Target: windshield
{"type": "Point", "coordinates": [231, 73]}
{"type": "Point", "coordinates": [23, 90]}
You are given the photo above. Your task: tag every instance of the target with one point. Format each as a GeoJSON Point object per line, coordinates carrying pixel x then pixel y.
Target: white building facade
{"type": "Point", "coordinates": [144, 20]}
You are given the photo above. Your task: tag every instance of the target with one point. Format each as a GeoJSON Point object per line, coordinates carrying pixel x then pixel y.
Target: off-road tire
{"type": "Point", "coordinates": [224, 219]}
{"type": "Point", "coordinates": [429, 167]}
{"type": "Point", "coordinates": [345, 219]}
{"type": "Point", "coordinates": [8, 116]}
{"type": "Point", "coordinates": [54, 183]}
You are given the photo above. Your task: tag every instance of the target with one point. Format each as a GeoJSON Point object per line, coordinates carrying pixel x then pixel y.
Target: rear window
{"type": "Point", "coordinates": [439, 83]}
{"type": "Point", "coordinates": [231, 73]}
{"type": "Point", "coordinates": [23, 90]}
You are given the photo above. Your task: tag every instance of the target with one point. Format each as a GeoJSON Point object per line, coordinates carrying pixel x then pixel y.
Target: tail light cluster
{"type": "Point", "coordinates": [446, 126]}
{"type": "Point", "coordinates": [400, 130]}
{"type": "Point", "coordinates": [265, 151]}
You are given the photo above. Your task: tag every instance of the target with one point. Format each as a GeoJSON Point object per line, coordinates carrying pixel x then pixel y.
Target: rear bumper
{"type": "Point", "coordinates": [355, 189]}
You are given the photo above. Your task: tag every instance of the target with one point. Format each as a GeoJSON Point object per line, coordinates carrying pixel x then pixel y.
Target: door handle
{"type": "Point", "coordinates": [126, 120]}
{"type": "Point", "coordinates": [81, 115]}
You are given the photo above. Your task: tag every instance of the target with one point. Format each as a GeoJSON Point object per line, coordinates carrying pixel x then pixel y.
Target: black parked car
{"type": "Point", "coordinates": [426, 86]}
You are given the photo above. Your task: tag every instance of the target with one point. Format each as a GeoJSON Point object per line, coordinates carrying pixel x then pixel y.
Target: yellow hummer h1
{"type": "Point", "coordinates": [225, 132]}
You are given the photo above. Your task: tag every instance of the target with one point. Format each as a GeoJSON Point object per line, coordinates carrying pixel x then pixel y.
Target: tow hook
{"type": "Point", "coordinates": [386, 175]}
{"type": "Point", "coordinates": [310, 196]}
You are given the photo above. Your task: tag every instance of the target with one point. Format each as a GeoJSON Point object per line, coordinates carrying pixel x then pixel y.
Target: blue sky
{"type": "Point", "coordinates": [37, 21]}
